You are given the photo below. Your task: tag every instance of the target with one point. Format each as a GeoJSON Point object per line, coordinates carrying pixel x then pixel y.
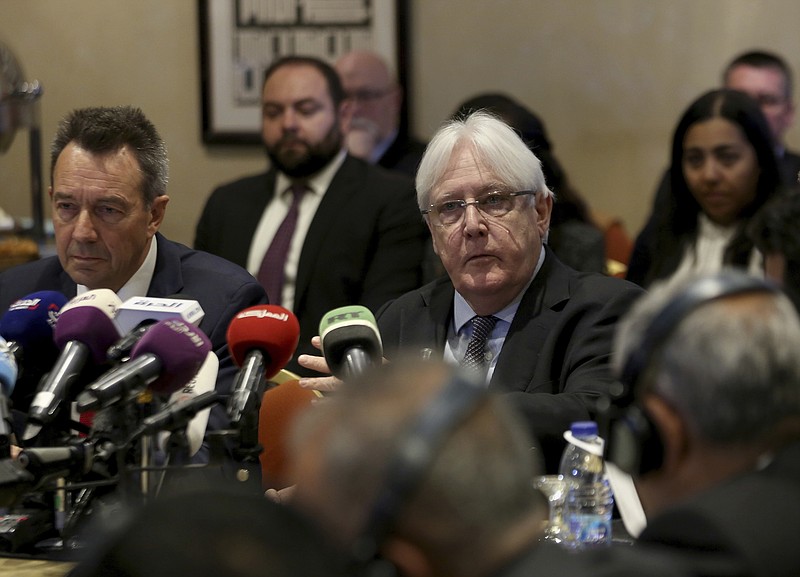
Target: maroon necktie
{"type": "Point", "coordinates": [270, 274]}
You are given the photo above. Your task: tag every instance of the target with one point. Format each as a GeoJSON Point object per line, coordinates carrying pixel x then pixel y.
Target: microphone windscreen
{"type": "Point", "coordinates": [347, 328]}
{"type": "Point", "coordinates": [280, 406]}
{"type": "Point", "coordinates": [270, 329]}
{"type": "Point", "coordinates": [181, 347]}
{"type": "Point", "coordinates": [89, 319]}
{"type": "Point", "coordinates": [29, 321]}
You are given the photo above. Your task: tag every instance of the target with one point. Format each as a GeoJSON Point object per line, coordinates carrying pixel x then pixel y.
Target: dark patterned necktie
{"type": "Point", "coordinates": [475, 358]}
{"type": "Point", "coordinates": [270, 274]}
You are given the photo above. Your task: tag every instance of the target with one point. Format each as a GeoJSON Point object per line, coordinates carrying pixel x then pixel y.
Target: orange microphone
{"type": "Point", "coordinates": [280, 406]}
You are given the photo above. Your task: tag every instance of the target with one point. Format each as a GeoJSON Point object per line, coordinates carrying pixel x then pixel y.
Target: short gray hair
{"type": "Point", "coordinates": [493, 141]}
{"type": "Point", "coordinates": [478, 486]}
{"type": "Point", "coordinates": [106, 130]}
{"type": "Point", "coordinates": [731, 367]}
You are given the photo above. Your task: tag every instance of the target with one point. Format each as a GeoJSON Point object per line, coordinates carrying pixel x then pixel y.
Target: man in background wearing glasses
{"type": "Point", "coordinates": [548, 328]}
{"type": "Point", "coordinates": [375, 134]}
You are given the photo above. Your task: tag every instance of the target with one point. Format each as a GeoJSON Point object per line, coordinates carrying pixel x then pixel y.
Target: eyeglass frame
{"type": "Point", "coordinates": [368, 94]}
{"type": "Point", "coordinates": [477, 203]}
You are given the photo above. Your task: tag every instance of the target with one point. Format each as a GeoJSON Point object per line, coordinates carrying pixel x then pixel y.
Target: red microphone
{"type": "Point", "coordinates": [261, 340]}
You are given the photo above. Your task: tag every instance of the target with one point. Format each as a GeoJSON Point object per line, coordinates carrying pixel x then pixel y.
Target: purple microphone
{"type": "Point", "coordinates": [164, 360]}
{"type": "Point", "coordinates": [84, 330]}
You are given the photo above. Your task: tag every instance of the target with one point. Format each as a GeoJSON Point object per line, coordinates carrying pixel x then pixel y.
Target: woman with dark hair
{"type": "Point", "coordinates": [723, 170]}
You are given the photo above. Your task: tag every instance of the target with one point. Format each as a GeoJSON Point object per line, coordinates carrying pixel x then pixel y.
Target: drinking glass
{"type": "Point", "coordinates": [554, 488]}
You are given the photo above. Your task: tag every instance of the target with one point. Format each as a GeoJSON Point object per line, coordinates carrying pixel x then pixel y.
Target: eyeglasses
{"type": "Point", "coordinates": [493, 204]}
{"type": "Point", "coordinates": [368, 95]}
{"type": "Point", "coordinates": [769, 100]}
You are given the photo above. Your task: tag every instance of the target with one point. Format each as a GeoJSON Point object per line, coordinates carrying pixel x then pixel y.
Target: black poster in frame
{"type": "Point", "coordinates": [239, 39]}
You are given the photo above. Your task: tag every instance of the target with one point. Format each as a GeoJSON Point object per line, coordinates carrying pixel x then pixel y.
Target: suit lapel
{"type": "Point", "coordinates": [251, 210]}
{"type": "Point", "coordinates": [328, 215]}
{"type": "Point", "coordinates": [67, 286]}
{"type": "Point", "coordinates": [432, 325]}
{"type": "Point", "coordinates": [531, 326]}
{"type": "Point", "coordinates": [167, 277]}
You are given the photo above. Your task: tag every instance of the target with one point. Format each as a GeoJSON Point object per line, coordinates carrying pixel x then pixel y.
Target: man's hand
{"type": "Point", "coordinates": [281, 496]}
{"type": "Point", "coordinates": [317, 363]}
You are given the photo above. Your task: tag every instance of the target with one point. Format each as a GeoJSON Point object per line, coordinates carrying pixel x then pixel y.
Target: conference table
{"type": "Point", "coordinates": [26, 567]}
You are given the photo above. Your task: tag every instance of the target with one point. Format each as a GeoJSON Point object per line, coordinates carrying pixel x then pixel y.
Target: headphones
{"type": "Point", "coordinates": [418, 449]}
{"type": "Point", "coordinates": [635, 444]}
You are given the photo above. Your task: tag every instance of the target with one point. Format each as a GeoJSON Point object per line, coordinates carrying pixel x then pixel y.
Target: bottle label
{"type": "Point", "coordinates": [590, 530]}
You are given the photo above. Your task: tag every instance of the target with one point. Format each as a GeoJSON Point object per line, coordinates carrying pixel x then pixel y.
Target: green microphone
{"type": "Point", "coordinates": [351, 342]}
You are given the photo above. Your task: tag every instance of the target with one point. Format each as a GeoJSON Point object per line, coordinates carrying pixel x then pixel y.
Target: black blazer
{"type": "Point", "coordinates": [365, 244]}
{"type": "Point", "coordinates": [748, 523]}
{"type": "Point", "coordinates": [404, 155]}
{"type": "Point", "coordinates": [554, 364]}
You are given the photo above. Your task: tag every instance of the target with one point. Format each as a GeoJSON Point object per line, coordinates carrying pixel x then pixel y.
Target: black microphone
{"type": "Point", "coordinates": [48, 463]}
{"type": "Point", "coordinates": [85, 329]}
{"type": "Point", "coordinates": [177, 415]}
{"type": "Point", "coordinates": [351, 342]}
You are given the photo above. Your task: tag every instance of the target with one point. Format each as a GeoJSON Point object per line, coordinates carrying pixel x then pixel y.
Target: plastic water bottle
{"type": "Point", "coordinates": [589, 501]}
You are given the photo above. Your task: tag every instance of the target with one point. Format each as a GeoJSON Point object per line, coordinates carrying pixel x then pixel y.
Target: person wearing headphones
{"type": "Point", "coordinates": [712, 431]}
{"type": "Point", "coordinates": [416, 467]}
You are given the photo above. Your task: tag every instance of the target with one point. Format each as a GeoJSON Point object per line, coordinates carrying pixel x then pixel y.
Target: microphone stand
{"type": "Point", "coordinates": [247, 449]}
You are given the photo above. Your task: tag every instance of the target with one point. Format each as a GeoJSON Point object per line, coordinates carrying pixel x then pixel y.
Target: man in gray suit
{"type": "Point", "coordinates": [352, 236]}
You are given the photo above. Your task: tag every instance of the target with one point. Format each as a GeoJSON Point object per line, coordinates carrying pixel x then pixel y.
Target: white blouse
{"type": "Point", "coordinates": [706, 254]}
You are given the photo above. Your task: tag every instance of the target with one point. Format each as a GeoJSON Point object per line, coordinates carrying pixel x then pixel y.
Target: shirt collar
{"type": "Point", "coordinates": [139, 283]}
{"type": "Point", "coordinates": [319, 182]}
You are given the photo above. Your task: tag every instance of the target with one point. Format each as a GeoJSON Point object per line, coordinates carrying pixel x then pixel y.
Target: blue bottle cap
{"type": "Point", "coordinates": [584, 429]}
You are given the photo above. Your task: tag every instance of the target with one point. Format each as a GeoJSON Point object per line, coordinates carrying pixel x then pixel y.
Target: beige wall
{"type": "Point", "coordinates": [609, 77]}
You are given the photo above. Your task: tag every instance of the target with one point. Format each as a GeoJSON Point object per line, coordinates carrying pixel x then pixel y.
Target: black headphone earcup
{"type": "Point", "coordinates": [636, 444]}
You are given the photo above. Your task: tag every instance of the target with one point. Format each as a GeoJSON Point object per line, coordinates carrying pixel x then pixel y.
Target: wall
{"type": "Point", "coordinates": [609, 77]}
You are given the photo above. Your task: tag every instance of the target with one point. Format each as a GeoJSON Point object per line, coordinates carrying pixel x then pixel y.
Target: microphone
{"type": "Point", "coordinates": [137, 314]}
{"type": "Point", "coordinates": [85, 329]}
{"type": "Point", "coordinates": [164, 360]}
{"type": "Point", "coordinates": [46, 463]}
{"type": "Point", "coordinates": [261, 340]}
{"type": "Point", "coordinates": [28, 325]}
{"type": "Point", "coordinates": [177, 415]}
{"type": "Point", "coordinates": [35, 467]}
{"type": "Point", "coordinates": [351, 342]}
{"type": "Point", "coordinates": [280, 407]}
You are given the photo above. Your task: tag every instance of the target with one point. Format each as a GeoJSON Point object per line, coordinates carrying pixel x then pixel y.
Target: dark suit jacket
{"type": "Point", "coordinates": [749, 522]}
{"type": "Point", "coordinates": [554, 363]}
{"type": "Point", "coordinates": [221, 288]}
{"type": "Point", "coordinates": [789, 167]}
{"type": "Point", "coordinates": [550, 560]}
{"type": "Point", "coordinates": [364, 246]}
{"type": "Point", "coordinates": [404, 155]}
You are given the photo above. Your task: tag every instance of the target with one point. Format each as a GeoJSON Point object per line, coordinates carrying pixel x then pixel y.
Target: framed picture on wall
{"type": "Point", "coordinates": [239, 39]}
